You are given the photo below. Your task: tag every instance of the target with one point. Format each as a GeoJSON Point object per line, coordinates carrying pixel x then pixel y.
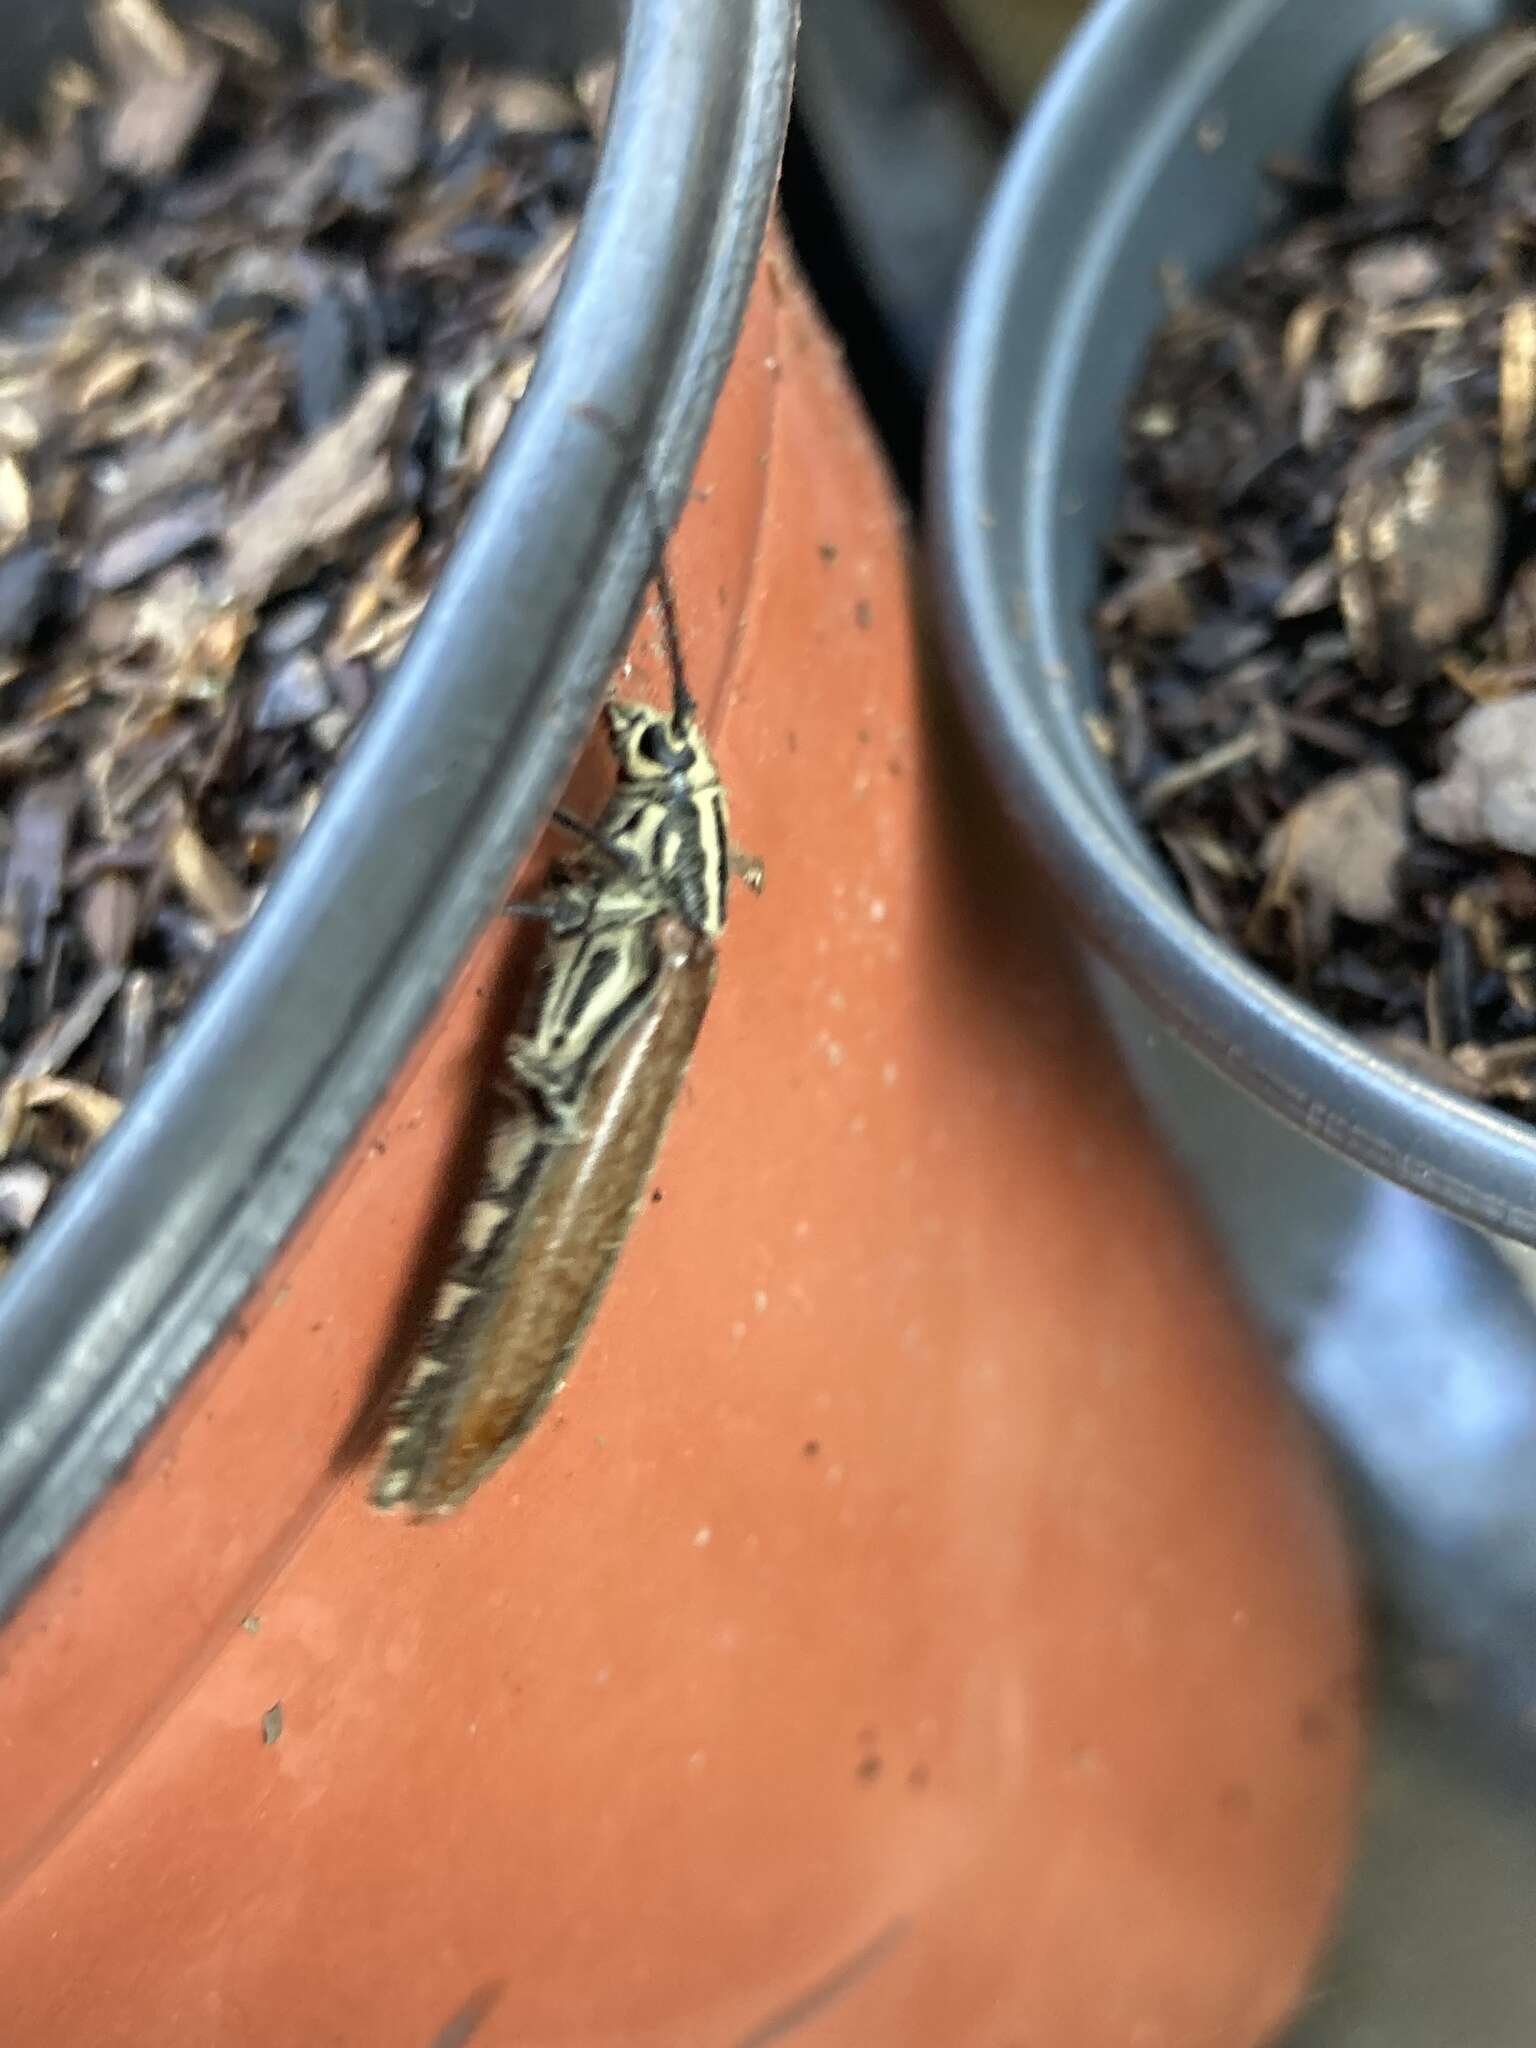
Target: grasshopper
{"type": "Point", "coordinates": [625, 976]}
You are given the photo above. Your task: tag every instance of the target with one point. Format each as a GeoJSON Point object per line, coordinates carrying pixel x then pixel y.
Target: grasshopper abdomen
{"type": "Point", "coordinates": [538, 1244]}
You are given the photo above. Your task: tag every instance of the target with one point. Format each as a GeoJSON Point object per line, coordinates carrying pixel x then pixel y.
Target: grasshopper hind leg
{"type": "Point", "coordinates": [747, 869]}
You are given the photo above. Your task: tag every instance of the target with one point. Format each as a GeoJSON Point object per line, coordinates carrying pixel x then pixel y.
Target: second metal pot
{"type": "Point", "coordinates": [1108, 184]}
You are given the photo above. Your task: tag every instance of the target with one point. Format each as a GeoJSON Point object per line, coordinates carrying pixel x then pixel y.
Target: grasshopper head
{"type": "Point", "coordinates": [656, 747]}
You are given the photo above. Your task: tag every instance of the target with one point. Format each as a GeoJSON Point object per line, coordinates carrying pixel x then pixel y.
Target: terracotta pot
{"type": "Point", "coordinates": [920, 1620]}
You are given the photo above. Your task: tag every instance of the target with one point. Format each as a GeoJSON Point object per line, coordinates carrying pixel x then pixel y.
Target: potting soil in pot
{"type": "Point", "coordinates": [1319, 627]}
{"type": "Point", "coordinates": [264, 316]}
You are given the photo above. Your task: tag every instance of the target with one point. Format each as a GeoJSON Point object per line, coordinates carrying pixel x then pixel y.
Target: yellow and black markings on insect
{"type": "Point", "coordinates": [626, 973]}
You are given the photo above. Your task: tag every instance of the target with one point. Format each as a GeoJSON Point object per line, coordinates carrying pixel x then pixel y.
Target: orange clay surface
{"type": "Point", "coordinates": [920, 1623]}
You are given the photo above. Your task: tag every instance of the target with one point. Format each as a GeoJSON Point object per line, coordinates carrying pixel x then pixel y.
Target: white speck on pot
{"type": "Point", "coordinates": [1211, 133]}
{"type": "Point", "coordinates": [738, 1331]}
{"type": "Point", "coordinates": [890, 1073]}
{"type": "Point", "coordinates": [760, 1301]}
{"type": "Point", "coordinates": [701, 1539]}
{"type": "Point", "coordinates": [835, 1053]}
{"type": "Point", "coordinates": [877, 910]}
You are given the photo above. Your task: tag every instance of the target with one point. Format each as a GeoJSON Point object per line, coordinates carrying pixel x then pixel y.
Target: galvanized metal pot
{"type": "Point", "coordinates": [249, 1114]}
{"type": "Point", "coordinates": [1107, 183]}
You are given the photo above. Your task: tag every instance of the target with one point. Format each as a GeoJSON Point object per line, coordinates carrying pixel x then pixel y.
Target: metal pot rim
{"type": "Point", "coordinates": [148, 1254]}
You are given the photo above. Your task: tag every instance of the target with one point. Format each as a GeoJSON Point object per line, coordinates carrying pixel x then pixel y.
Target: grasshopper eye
{"type": "Point", "coordinates": [658, 749]}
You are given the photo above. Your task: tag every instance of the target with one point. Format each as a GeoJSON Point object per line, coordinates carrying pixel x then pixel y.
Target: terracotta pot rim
{"type": "Point", "coordinates": [119, 1294]}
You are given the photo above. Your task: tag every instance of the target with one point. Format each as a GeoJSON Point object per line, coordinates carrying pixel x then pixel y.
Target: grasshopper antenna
{"type": "Point", "coordinates": [683, 707]}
